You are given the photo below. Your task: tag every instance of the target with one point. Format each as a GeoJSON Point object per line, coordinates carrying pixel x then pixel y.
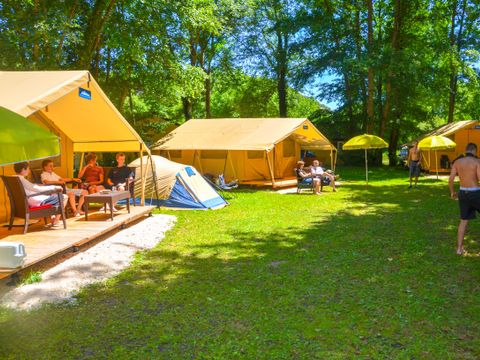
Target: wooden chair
{"type": "Point", "coordinates": [19, 203]}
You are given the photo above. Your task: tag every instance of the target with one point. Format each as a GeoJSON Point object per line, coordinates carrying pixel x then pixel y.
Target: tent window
{"type": "Point", "coordinates": [288, 148]}
{"type": "Point", "coordinates": [175, 153]}
{"type": "Point", "coordinates": [252, 154]}
{"type": "Point", "coordinates": [213, 154]}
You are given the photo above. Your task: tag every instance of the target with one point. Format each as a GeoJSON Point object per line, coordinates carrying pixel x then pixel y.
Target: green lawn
{"type": "Point", "coordinates": [368, 272]}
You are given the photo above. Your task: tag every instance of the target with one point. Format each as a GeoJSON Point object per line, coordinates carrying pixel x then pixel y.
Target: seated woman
{"type": "Point", "coordinates": [307, 178]}
{"type": "Point", "coordinates": [92, 174]}
{"type": "Point", "coordinates": [22, 170]}
{"type": "Point", "coordinates": [49, 177]}
{"type": "Point", "coordinates": [318, 172]}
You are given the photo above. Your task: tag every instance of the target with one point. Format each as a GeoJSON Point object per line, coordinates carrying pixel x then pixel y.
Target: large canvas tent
{"type": "Point", "coordinates": [72, 106]}
{"type": "Point", "coordinates": [245, 149]}
{"type": "Point", "coordinates": [179, 186]}
{"type": "Point", "coordinates": [462, 133]}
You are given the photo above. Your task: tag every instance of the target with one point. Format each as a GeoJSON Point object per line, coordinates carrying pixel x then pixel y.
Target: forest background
{"type": "Point", "coordinates": [394, 68]}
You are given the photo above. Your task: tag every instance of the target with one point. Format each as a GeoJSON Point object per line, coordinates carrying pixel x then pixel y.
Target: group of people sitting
{"type": "Point", "coordinates": [314, 175]}
{"type": "Point", "coordinates": [90, 180]}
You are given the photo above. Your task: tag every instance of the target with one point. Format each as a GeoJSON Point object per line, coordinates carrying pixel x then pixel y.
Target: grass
{"type": "Point", "coordinates": [368, 272]}
{"type": "Point", "coordinates": [32, 277]}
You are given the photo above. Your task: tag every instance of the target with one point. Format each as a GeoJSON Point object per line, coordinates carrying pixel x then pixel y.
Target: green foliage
{"type": "Point", "coordinates": [32, 278]}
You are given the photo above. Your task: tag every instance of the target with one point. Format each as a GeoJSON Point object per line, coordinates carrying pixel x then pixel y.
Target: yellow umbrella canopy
{"type": "Point", "coordinates": [365, 142]}
{"type": "Point", "coordinates": [435, 143]}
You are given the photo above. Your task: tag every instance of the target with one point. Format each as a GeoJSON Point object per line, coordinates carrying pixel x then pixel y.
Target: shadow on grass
{"type": "Point", "coordinates": [374, 278]}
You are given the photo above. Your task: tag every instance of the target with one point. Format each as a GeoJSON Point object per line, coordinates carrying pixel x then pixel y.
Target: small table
{"type": "Point", "coordinates": [107, 198]}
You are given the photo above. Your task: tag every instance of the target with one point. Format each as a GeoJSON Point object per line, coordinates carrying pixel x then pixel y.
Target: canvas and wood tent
{"type": "Point", "coordinates": [462, 133]}
{"type": "Point", "coordinates": [253, 151]}
{"type": "Point", "coordinates": [73, 106]}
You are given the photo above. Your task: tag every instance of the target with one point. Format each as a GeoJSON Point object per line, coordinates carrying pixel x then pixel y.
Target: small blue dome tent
{"type": "Point", "coordinates": [179, 186]}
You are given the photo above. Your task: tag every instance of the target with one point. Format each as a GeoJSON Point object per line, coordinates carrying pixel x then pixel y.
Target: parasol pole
{"type": "Point", "coordinates": [366, 166]}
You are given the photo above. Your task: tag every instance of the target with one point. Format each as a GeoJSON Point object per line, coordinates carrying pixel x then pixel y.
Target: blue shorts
{"type": "Point", "coordinates": [306, 181]}
{"type": "Point", "coordinates": [415, 168]}
{"type": "Point", "coordinates": [53, 200]}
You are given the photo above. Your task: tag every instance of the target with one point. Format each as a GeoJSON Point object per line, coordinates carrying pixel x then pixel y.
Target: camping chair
{"type": "Point", "coordinates": [305, 186]}
{"type": "Point", "coordinates": [19, 203]}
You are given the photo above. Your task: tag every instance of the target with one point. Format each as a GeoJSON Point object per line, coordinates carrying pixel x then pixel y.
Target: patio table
{"type": "Point", "coordinates": [107, 198]}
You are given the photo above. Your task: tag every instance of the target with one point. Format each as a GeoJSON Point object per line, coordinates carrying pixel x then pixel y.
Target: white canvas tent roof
{"type": "Point", "coordinates": [243, 134]}
{"type": "Point", "coordinates": [91, 124]}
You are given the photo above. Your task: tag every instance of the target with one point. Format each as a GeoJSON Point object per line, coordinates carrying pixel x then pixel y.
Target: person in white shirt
{"type": "Point", "coordinates": [22, 170]}
{"type": "Point", "coordinates": [318, 171]}
{"type": "Point", "coordinates": [49, 177]}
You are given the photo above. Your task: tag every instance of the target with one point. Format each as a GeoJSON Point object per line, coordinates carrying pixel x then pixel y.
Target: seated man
{"type": "Point", "coordinates": [22, 170]}
{"type": "Point", "coordinates": [92, 174]}
{"type": "Point", "coordinates": [318, 172]}
{"type": "Point", "coordinates": [307, 178]}
{"type": "Point", "coordinates": [118, 175]}
{"type": "Point", "coordinates": [49, 177]}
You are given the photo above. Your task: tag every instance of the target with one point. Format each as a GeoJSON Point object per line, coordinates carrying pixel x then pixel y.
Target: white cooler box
{"type": "Point", "coordinates": [12, 254]}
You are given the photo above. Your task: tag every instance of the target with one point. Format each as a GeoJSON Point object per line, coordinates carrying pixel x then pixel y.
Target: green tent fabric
{"type": "Point", "coordinates": [23, 140]}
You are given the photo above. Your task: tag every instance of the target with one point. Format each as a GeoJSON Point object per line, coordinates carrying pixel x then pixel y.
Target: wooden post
{"type": "Point", "coordinates": [270, 168]}
{"type": "Point", "coordinates": [233, 168]}
{"type": "Point", "coordinates": [142, 177]}
{"type": "Point", "coordinates": [366, 166]}
{"type": "Point", "coordinates": [331, 159]}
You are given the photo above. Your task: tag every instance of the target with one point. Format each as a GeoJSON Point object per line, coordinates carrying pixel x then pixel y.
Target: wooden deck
{"type": "Point", "coordinates": [279, 183]}
{"type": "Point", "coordinates": [44, 244]}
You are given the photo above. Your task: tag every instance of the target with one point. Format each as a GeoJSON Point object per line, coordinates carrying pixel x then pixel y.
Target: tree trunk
{"type": "Point", "coordinates": [101, 12]}
{"type": "Point", "coordinates": [208, 93]}
{"type": "Point", "coordinates": [371, 84]}
{"type": "Point", "coordinates": [360, 58]}
{"type": "Point", "coordinates": [455, 42]}
{"type": "Point", "coordinates": [187, 108]}
{"type": "Point", "coordinates": [282, 43]}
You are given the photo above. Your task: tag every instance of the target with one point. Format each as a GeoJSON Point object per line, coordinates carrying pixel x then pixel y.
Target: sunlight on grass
{"type": "Point", "coordinates": [368, 272]}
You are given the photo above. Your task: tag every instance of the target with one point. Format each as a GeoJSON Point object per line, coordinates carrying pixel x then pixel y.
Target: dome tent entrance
{"type": "Point", "coordinates": [179, 186]}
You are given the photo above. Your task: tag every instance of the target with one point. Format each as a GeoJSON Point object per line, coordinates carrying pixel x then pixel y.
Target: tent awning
{"type": "Point", "coordinates": [74, 103]}
{"type": "Point", "coordinates": [243, 134]}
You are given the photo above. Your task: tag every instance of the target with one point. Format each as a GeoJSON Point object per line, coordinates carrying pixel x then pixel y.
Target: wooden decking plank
{"type": "Point", "coordinates": [42, 243]}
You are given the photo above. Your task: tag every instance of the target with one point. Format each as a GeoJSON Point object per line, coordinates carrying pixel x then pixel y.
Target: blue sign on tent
{"type": "Point", "coordinates": [84, 93]}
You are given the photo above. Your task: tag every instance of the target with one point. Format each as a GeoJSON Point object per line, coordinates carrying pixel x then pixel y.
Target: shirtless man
{"type": "Point", "coordinates": [468, 170]}
{"type": "Point", "coordinates": [413, 161]}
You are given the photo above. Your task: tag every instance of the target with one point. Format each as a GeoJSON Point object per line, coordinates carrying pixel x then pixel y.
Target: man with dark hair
{"type": "Point", "coordinates": [413, 161]}
{"type": "Point", "coordinates": [468, 170]}
{"type": "Point", "coordinates": [22, 170]}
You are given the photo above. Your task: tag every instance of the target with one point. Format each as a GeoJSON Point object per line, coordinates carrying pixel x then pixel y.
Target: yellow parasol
{"type": "Point", "coordinates": [365, 142]}
{"type": "Point", "coordinates": [435, 143]}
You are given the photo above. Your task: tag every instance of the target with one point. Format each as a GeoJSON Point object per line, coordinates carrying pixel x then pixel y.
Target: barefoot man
{"type": "Point", "coordinates": [414, 157]}
{"type": "Point", "coordinates": [468, 170]}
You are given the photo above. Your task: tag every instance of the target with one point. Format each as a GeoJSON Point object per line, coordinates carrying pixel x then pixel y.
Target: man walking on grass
{"type": "Point", "coordinates": [414, 157]}
{"type": "Point", "coordinates": [468, 170]}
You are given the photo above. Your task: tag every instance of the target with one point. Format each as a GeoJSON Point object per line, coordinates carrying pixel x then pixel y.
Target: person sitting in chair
{"type": "Point", "coordinates": [92, 174]}
{"type": "Point", "coordinates": [118, 175]}
{"type": "Point", "coordinates": [49, 177]}
{"type": "Point", "coordinates": [317, 171]}
{"type": "Point", "coordinates": [22, 169]}
{"type": "Point", "coordinates": [307, 178]}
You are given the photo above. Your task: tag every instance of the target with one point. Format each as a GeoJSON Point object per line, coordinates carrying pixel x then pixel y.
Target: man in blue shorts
{"type": "Point", "coordinates": [467, 168]}
{"type": "Point", "coordinates": [414, 160]}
